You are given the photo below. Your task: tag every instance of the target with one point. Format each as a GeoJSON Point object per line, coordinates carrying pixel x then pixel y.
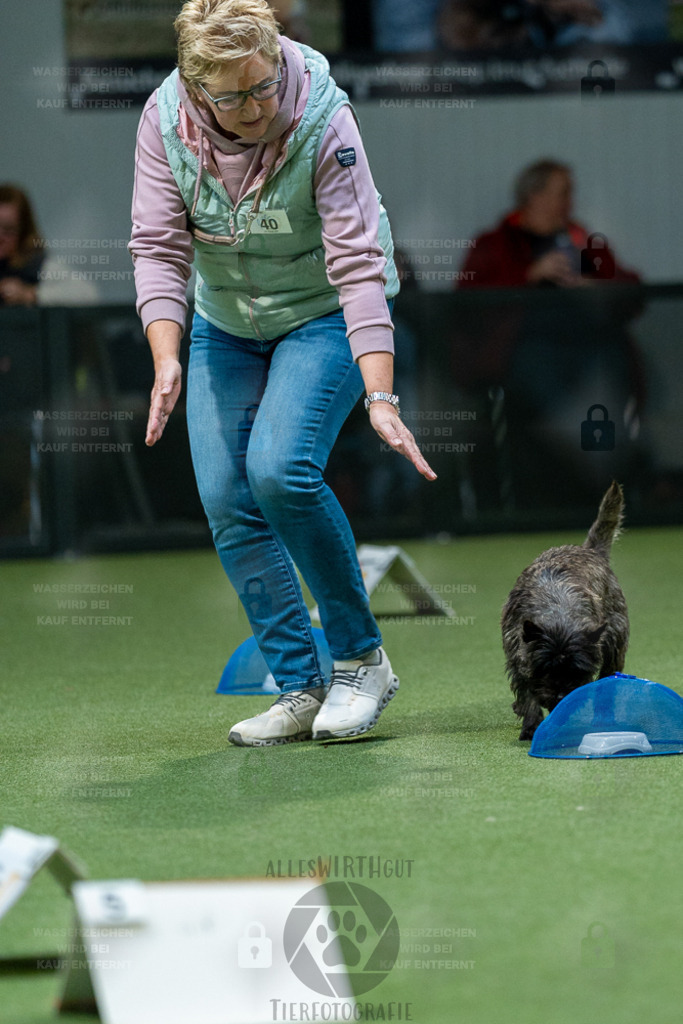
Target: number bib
{"type": "Point", "coordinates": [271, 222]}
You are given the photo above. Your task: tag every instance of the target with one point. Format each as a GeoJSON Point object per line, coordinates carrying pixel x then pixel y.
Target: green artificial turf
{"type": "Point", "coordinates": [113, 740]}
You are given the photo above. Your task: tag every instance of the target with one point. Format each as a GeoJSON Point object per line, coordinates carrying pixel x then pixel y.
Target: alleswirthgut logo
{"type": "Point", "coordinates": [338, 932]}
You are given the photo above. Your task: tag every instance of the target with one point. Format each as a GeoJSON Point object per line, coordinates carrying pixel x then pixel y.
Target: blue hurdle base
{"type": "Point", "coordinates": [246, 672]}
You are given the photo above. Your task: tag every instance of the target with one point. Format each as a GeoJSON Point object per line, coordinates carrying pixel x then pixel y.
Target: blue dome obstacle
{"type": "Point", "coordinates": [247, 673]}
{"type": "Point", "coordinates": [618, 716]}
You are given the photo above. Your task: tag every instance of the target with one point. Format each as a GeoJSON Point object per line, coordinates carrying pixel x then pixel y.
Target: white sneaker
{"type": "Point", "coordinates": [357, 695]}
{"type": "Point", "coordinates": [289, 719]}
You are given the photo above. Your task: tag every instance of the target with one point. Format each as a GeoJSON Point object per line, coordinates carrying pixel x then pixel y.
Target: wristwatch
{"type": "Point", "coordinates": [382, 396]}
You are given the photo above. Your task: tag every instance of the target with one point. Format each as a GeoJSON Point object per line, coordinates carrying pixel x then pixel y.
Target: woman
{"type": "Point", "coordinates": [21, 252]}
{"type": "Point", "coordinates": [249, 156]}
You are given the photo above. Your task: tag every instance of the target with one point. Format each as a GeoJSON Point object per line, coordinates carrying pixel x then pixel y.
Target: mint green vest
{"type": "Point", "coordinates": [267, 284]}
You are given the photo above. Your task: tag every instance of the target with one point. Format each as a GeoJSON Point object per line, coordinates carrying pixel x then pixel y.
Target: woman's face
{"type": "Point", "coordinates": [251, 120]}
{"type": "Point", "coordinates": [9, 230]}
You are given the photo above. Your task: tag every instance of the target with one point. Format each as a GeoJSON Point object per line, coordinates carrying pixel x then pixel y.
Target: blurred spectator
{"type": "Point", "coordinates": [554, 358]}
{"type": "Point", "coordinates": [407, 26]}
{"type": "Point", "coordinates": [538, 243]}
{"type": "Point", "coordinates": [421, 26]}
{"type": "Point", "coordinates": [291, 14]}
{"type": "Point", "coordinates": [21, 252]}
{"type": "Point", "coordinates": [497, 24]}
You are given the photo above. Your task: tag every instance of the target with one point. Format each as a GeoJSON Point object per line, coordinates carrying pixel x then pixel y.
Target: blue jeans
{"type": "Point", "coordinates": [262, 418]}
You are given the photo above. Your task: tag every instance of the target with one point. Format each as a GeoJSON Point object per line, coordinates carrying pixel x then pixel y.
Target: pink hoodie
{"type": "Point", "coordinates": [345, 197]}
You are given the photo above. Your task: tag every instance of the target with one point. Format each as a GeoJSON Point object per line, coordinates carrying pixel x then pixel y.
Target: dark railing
{"type": "Point", "coordinates": [496, 386]}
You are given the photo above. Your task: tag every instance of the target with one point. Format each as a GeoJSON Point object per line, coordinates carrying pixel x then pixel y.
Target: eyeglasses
{"type": "Point", "coordinates": [236, 100]}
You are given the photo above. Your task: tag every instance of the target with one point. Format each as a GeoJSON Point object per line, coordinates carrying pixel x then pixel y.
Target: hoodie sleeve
{"type": "Point", "coordinates": [161, 245]}
{"type": "Point", "coordinates": [346, 200]}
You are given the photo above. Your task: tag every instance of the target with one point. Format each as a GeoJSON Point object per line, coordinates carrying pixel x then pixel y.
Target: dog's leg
{"type": "Point", "coordinates": [531, 722]}
{"type": "Point", "coordinates": [612, 661]}
{"type": "Point", "coordinates": [531, 714]}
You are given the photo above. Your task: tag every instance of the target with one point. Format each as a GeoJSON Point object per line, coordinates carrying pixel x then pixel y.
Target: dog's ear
{"type": "Point", "coordinates": [593, 635]}
{"type": "Point", "coordinates": [530, 631]}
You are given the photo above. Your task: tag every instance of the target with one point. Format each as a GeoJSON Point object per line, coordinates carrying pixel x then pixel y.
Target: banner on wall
{"type": "Point", "coordinates": [403, 81]}
{"type": "Point", "coordinates": [119, 51]}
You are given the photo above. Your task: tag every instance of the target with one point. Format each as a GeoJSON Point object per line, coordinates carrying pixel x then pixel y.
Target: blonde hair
{"type": "Point", "coordinates": [215, 33]}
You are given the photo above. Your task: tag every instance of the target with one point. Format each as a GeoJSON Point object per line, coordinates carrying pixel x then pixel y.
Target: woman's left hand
{"type": "Point", "coordinates": [391, 429]}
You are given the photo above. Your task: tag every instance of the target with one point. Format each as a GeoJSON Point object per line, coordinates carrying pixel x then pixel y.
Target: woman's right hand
{"type": "Point", "coordinates": [167, 385]}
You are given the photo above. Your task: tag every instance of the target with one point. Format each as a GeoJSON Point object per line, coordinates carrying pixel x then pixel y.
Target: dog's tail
{"type": "Point", "coordinates": [607, 526]}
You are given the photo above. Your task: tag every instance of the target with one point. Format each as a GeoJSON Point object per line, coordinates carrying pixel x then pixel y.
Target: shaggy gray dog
{"type": "Point", "coordinates": [565, 622]}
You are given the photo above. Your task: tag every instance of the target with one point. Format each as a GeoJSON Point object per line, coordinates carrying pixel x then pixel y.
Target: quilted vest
{"type": "Point", "coordinates": [273, 278]}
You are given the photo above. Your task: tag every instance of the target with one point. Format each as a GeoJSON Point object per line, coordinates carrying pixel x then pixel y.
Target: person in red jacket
{"type": "Point", "coordinates": [538, 243]}
{"type": "Point", "coordinates": [548, 357]}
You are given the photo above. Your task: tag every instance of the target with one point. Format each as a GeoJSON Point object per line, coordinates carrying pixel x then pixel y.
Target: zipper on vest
{"type": "Point", "coordinates": [252, 318]}
{"type": "Point", "coordinates": [252, 300]}
{"type": "Point", "coordinates": [232, 238]}
{"type": "Point", "coordinates": [235, 238]}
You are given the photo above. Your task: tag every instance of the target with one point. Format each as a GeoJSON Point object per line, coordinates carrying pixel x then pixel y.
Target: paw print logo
{"type": "Point", "coordinates": [345, 946]}
{"type": "Point", "coordinates": [341, 932]}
